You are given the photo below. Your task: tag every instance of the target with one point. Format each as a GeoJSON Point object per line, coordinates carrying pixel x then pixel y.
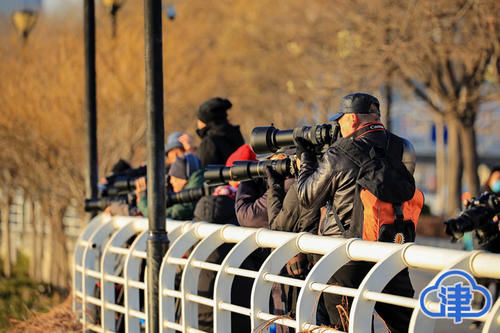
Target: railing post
{"type": "Point", "coordinates": [157, 239]}
{"type": "Point", "coordinates": [90, 98]}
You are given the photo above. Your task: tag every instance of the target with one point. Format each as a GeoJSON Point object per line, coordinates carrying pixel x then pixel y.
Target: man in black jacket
{"type": "Point", "coordinates": [219, 138]}
{"type": "Point", "coordinates": [332, 182]}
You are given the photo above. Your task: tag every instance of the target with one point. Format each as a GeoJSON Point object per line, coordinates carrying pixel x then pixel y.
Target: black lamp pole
{"type": "Point", "coordinates": [90, 98]}
{"type": "Point", "coordinates": [157, 243]}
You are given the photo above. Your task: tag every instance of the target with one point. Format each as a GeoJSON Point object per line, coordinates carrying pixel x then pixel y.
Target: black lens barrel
{"type": "Point", "coordinates": [246, 170]}
{"type": "Point", "coordinates": [189, 195]}
{"type": "Point", "coordinates": [98, 204]}
{"type": "Point", "coordinates": [267, 139]}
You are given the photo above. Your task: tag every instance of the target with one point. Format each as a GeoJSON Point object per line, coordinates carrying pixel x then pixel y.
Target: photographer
{"type": "Point", "coordinates": [120, 208]}
{"type": "Point", "coordinates": [250, 203]}
{"type": "Point", "coordinates": [185, 173]}
{"type": "Point", "coordinates": [284, 210]}
{"type": "Point", "coordinates": [492, 185]}
{"type": "Point", "coordinates": [333, 182]}
{"type": "Point", "coordinates": [219, 138]}
{"type": "Point", "coordinates": [285, 213]}
{"type": "Point", "coordinates": [481, 215]}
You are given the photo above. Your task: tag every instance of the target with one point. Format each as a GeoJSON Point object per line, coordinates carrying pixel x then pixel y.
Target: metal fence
{"type": "Point", "coordinates": [109, 261]}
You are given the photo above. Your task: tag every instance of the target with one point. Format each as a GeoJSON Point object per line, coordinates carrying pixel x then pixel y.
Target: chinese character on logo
{"type": "Point", "coordinates": [455, 300]}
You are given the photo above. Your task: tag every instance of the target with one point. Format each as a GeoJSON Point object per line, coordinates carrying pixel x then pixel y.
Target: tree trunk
{"type": "Point", "coordinates": [386, 111]}
{"type": "Point", "coordinates": [6, 234]}
{"type": "Point", "coordinates": [6, 240]}
{"type": "Point", "coordinates": [36, 241]}
{"type": "Point", "coordinates": [29, 238]}
{"type": "Point", "coordinates": [54, 255]}
{"type": "Point", "coordinates": [45, 249]}
{"type": "Point", "coordinates": [469, 153]}
{"type": "Point", "coordinates": [453, 202]}
{"type": "Point", "coordinates": [61, 272]}
{"type": "Point", "coordinates": [440, 166]}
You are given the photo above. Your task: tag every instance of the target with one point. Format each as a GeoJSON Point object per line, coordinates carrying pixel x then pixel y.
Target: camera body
{"type": "Point", "coordinates": [267, 139]}
{"type": "Point", "coordinates": [479, 215]}
{"type": "Point", "coordinates": [120, 184]}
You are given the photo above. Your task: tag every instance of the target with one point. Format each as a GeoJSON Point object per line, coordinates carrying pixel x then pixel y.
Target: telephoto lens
{"type": "Point", "coordinates": [267, 139]}
{"type": "Point", "coordinates": [99, 204]}
{"type": "Point", "coordinates": [478, 215]}
{"type": "Point", "coordinates": [189, 195]}
{"type": "Point", "coordinates": [246, 170]}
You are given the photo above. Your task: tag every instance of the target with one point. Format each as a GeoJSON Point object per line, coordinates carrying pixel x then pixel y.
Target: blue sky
{"type": "Point", "coordinates": [48, 5]}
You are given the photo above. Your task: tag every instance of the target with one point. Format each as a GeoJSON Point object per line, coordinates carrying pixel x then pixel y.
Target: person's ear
{"type": "Point", "coordinates": [355, 120]}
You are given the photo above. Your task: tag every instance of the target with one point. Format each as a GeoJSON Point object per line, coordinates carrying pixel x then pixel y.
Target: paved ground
{"type": "Point", "coordinates": [421, 278]}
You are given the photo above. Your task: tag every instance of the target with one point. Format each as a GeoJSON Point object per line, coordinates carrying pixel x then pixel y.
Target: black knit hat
{"type": "Point", "coordinates": [120, 166]}
{"type": "Point", "coordinates": [357, 103]}
{"type": "Point", "coordinates": [213, 110]}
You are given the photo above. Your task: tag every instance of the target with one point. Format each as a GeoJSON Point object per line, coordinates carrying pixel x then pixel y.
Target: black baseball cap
{"type": "Point", "coordinates": [359, 103]}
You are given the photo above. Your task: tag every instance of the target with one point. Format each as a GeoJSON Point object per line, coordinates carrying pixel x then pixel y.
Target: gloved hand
{"type": "Point", "coordinates": [455, 227]}
{"type": "Point", "coordinates": [303, 146]}
{"type": "Point", "coordinates": [297, 266]}
{"type": "Point", "coordinates": [274, 178]}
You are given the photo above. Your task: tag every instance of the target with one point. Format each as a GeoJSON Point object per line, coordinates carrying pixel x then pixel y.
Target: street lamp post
{"type": "Point", "coordinates": [157, 243]}
{"type": "Point", "coordinates": [113, 7]}
{"type": "Point", "coordinates": [24, 21]}
{"type": "Point", "coordinates": [90, 97]}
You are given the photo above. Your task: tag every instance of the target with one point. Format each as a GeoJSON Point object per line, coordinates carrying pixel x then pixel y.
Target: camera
{"type": "Point", "coordinates": [120, 184]}
{"type": "Point", "coordinates": [247, 170]}
{"type": "Point", "coordinates": [266, 139]}
{"type": "Point", "coordinates": [98, 204]}
{"type": "Point", "coordinates": [172, 198]}
{"type": "Point", "coordinates": [479, 215]}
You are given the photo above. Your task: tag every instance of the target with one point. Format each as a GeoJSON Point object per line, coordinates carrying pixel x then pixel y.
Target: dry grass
{"type": "Point", "coordinates": [61, 319]}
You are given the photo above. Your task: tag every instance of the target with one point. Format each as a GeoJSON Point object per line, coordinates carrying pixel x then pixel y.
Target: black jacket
{"type": "Point", "coordinates": [218, 141]}
{"type": "Point", "coordinates": [287, 214]}
{"type": "Point", "coordinates": [334, 178]}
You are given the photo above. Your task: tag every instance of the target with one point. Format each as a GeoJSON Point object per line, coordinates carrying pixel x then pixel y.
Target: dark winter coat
{"type": "Point", "coordinates": [218, 141]}
{"type": "Point", "coordinates": [285, 212]}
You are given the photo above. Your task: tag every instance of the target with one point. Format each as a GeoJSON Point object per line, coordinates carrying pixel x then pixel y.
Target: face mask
{"type": "Point", "coordinates": [201, 133]}
{"type": "Point", "coordinates": [496, 186]}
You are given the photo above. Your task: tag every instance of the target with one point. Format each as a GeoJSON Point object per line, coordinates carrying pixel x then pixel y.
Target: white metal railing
{"type": "Point", "coordinates": [109, 258]}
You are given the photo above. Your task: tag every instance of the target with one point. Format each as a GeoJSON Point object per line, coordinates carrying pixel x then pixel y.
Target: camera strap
{"type": "Point", "coordinates": [331, 210]}
{"type": "Point", "coordinates": [368, 128]}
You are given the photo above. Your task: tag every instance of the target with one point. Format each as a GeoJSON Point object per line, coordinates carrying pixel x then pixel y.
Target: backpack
{"type": "Point", "coordinates": [387, 204]}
